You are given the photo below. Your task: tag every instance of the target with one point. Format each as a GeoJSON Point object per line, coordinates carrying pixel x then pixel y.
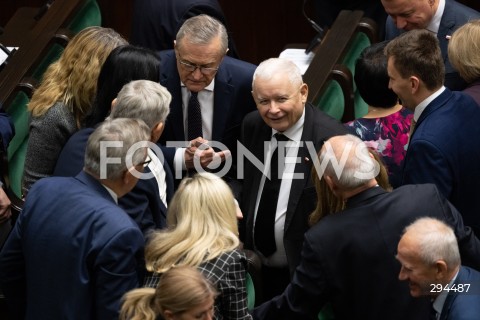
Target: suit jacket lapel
{"type": "Point", "coordinates": [170, 79]}
{"type": "Point", "coordinates": [447, 24]}
{"type": "Point", "coordinates": [224, 93]}
{"type": "Point", "coordinates": [304, 168]}
{"type": "Point", "coordinates": [433, 106]}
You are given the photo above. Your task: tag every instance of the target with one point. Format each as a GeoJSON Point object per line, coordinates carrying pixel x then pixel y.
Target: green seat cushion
{"type": "Point", "coordinates": [332, 101]}
{"type": "Point", "coordinates": [250, 292]}
{"type": "Point", "coordinates": [21, 120]}
{"type": "Point", "coordinates": [88, 16]}
{"type": "Point", "coordinates": [15, 168]}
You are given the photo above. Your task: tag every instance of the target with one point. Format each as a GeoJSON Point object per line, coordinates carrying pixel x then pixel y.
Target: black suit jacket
{"type": "Point", "coordinates": [348, 258]}
{"type": "Point", "coordinates": [232, 101]}
{"type": "Point", "coordinates": [155, 23]}
{"type": "Point", "coordinates": [143, 203]}
{"type": "Point", "coordinates": [317, 128]}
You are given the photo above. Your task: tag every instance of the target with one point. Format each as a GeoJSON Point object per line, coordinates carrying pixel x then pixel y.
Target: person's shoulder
{"type": "Point", "coordinates": [324, 120]}
{"type": "Point", "coordinates": [457, 7]}
{"type": "Point", "coordinates": [237, 64]}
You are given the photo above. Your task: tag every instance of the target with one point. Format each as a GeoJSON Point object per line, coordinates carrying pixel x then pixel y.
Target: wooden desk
{"type": "Point", "coordinates": [34, 39]}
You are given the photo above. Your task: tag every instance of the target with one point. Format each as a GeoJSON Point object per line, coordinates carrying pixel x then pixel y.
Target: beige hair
{"type": "Point", "coordinates": [121, 130]}
{"type": "Point", "coordinates": [328, 203]}
{"type": "Point", "coordinates": [202, 29]}
{"type": "Point", "coordinates": [72, 79]}
{"type": "Point", "coordinates": [202, 225]}
{"type": "Point", "coordinates": [179, 289]}
{"type": "Point", "coordinates": [464, 50]}
{"type": "Point", "coordinates": [143, 99]}
{"type": "Point", "coordinates": [436, 241]}
{"type": "Point", "coordinates": [269, 68]}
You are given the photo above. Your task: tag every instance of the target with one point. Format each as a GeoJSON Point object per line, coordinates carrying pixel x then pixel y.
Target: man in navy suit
{"type": "Point", "coordinates": [281, 98]}
{"type": "Point", "coordinates": [348, 257]}
{"type": "Point", "coordinates": [148, 200]}
{"type": "Point", "coordinates": [444, 148]}
{"type": "Point", "coordinates": [198, 67]}
{"type": "Point", "coordinates": [73, 252]}
{"type": "Point", "coordinates": [156, 22]}
{"type": "Point", "coordinates": [7, 131]}
{"type": "Point", "coordinates": [442, 17]}
{"type": "Point", "coordinates": [430, 262]}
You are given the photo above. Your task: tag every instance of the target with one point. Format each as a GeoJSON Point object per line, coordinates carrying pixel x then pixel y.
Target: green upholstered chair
{"type": "Point", "coordinates": [331, 86]}
{"type": "Point", "coordinates": [89, 15]}
{"type": "Point", "coordinates": [250, 292]}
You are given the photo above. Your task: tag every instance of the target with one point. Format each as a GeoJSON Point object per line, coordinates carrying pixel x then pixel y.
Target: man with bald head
{"type": "Point", "coordinates": [442, 17]}
{"type": "Point", "coordinates": [348, 258]}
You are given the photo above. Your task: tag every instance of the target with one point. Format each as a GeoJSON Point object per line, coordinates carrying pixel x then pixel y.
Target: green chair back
{"type": "Point", "coordinates": [250, 292]}
{"type": "Point", "coordinates": [18, 145]}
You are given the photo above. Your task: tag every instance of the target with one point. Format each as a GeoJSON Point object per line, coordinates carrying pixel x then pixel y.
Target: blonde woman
{"type": "Point", "coordinates": [202, 232]}
{"type": "Point", "coordinates": [464, 54]}
{"type": "Point", "coordinates": [183, 293]}
{"type": "Point", "coordinates": [61, 102]}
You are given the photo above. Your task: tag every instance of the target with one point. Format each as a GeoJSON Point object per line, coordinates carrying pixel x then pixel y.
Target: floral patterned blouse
{"type": "Point", "coordinates": [388, 136]}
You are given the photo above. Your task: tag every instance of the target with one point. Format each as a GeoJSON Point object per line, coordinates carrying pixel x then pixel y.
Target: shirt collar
{"type": "Point", "coordinates": [434, 25]}
{"type": "Point", "coordinates": [294, 133]}
{"type": "Point", "coordinates": [440, 299]}
{"type": "Point", "coordinates": [112, 193]}
{"type": "Point", "coordinates": [422, 105]}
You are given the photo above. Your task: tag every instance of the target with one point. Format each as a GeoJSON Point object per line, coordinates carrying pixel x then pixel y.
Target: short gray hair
{"type": "Point", "coordinates": [143, 99]}
{"type": "Point", "coordinates": [126, 131]}
{"type": "Point", "coordinates": [273, 66]}
{"type": "Point", "coordinates": [436, 241]}
{"type": "Point", "coordinates": [202, 29]}
{"type": "Point", "coordinates": [358, 166]}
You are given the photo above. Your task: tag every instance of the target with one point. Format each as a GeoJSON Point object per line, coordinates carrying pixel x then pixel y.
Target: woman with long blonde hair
{"type": "Point", "coordinates": [182, 293]}
{"type": "Point", "coordinates": [63, 99]}
{"type": "Point", "coordinates": [203, 232]}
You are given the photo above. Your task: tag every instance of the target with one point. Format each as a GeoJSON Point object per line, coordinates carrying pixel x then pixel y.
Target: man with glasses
{"type": "Point", "coordinates": [211, 92]}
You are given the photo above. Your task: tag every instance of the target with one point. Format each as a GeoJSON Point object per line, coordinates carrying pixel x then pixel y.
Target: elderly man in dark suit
{"type": "Point", "coordinates": [276, 216]}
{"type": "Point", "coordinates": [147, 202]}
{"type": "Point", "coordinates": [73, 252]}
{"type": "Point", "coordinates": [211, 92]}
{"type": "Point", "coordinates": [441, 17]}
{"type": "Point", "coordinates": [444, 148]}
{"type": "Point", "coordinates": [348, 258]}
{"type": "Point", "coordinates": [430, 259]}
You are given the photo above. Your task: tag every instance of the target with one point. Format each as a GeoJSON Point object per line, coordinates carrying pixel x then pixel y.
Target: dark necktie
{"type": "Point", "coordinates": [265, 221]}
{"type": "Point", "coordinates": [194, 118]}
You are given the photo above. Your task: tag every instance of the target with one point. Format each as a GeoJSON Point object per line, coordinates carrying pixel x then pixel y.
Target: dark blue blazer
{"type": "Point", "coordinates": [72, 254]}
{"type": "Point", "coordinates": [7, 129]}
{"type": "Point", "coordinates": [155, 23]}
{"type": "Point", "coordinates": [445, 150]}
{"type": "Point", "coordinates": [454, 16]}
{"type": "Point", "coordinates": [348, 258]}
{"type": "Point", "coordinates": [232, 101]}
{"type": "Point", "coordinates": [317, 128]}
{"type": "Point", "coordinates": [143, 203]}
{"type": "Point", "coordinates": [466, 305]}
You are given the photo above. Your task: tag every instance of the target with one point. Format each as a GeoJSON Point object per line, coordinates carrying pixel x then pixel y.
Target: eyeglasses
{"type": "Point", "coordinates": [192, 67]}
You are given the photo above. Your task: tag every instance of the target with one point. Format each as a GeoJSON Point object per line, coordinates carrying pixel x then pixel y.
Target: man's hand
{"type": "Point", "coordinates": [5, 203]}
{"type": "Point", "coordinates": [200, 152]}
